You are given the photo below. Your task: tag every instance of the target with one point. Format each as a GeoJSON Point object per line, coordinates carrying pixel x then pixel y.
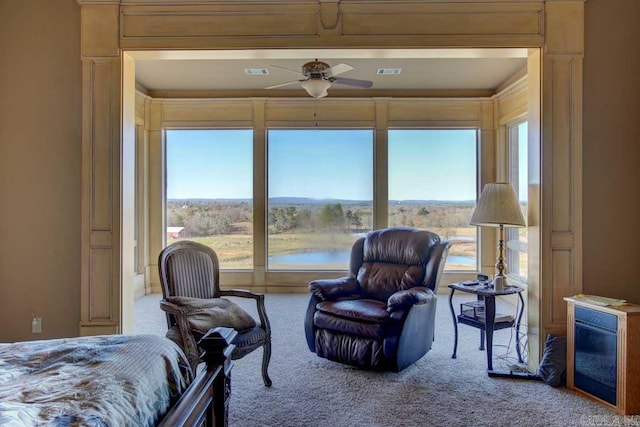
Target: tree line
{"type": "Point", "coordinates": [331, 216]}
{"type": "Point", "coordinates": [207, 218]}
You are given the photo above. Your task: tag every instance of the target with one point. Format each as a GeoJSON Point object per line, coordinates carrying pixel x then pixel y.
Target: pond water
{"type": "Point", "coordinates": [342, 257]}
{"type": "Point", "coordinates": [461, 238]}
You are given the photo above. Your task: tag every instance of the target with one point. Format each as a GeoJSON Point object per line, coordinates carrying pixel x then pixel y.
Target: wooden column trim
{"type": "Point", "coordinates": [381, 164]}
{"type": "Point", "coordinates": [259, 193]}
{"type": "Point", "coordinates": [561, 174]}
{"type": "Point", "coordinates": [101, 105]}
{"type": "Point", "coordinates": [156, 188]}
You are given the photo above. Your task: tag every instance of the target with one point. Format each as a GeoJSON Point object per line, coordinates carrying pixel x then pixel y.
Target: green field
{"type": "Point", "coordinates": [235, 251]}
{"type": "Point", "coordinates": [311, 227]}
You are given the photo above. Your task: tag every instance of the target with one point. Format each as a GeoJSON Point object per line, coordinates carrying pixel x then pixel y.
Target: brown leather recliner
{"type": "Point", "coordinates": [382, 315]}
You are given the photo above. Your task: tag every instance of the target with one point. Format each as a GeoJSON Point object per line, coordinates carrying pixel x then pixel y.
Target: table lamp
{"type": "Point", "coordinates": [498, 207]}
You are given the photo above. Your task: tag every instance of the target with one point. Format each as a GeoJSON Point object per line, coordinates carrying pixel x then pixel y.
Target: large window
{"type": "Point", "coordinates": [432, 185]}
{"type": "Point", "coordinates": [518, 171]}
{"type": "Point", "coordinates": [210, 192]}
{"type": "Point", "coordinates": [320, 193]}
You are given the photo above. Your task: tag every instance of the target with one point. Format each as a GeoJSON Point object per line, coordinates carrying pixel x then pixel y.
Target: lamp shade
{"type": "Point", "coordinates": [498, 205]}
{"type": "Point", "coordinates": [316, 87]}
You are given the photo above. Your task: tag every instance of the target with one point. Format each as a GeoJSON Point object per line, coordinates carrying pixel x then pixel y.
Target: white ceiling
{"type": "Point", "coordinates": [422, 69]}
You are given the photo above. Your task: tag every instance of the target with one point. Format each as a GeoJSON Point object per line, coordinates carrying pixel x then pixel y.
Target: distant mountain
{"type": "Point", "coordinates": [310, 201]}
{"type": "Point", "coordinates": [203, 200]}
{"type": "Point", "coordinates": [433, 202]}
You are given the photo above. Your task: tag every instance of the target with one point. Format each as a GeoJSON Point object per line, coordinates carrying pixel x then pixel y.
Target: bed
{"type": "Point", "coordinates": [114, 380]}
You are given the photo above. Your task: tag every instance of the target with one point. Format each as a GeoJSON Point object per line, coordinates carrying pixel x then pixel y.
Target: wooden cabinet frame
{"type": "Point", "coordinates": [553, 29]}
{"type": "Point", "coordinates": [627, 361]}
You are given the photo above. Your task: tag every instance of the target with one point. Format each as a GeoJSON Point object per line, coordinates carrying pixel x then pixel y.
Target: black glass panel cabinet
{"type": "Point", "coordinates": [603, 353]}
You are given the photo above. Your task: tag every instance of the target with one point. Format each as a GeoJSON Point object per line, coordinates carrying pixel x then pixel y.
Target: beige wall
{"type": "Point", "coordinates": [611, 149]}
{"type": "Point", "coordinates": [40, 163]}
{"type": "Point", "coordinates": [40, 159]}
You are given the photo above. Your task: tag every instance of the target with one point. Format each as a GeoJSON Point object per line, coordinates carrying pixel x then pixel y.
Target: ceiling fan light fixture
{"type": "Point", "coordinates": [316, 87]}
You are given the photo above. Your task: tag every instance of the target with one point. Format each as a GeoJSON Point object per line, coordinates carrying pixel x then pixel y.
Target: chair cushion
{"type": "Point", "coordinates": [253, 336]}
{"type": "Point", "coordinates": [360, 309]}
{"type": "Point", "coordinates": [380, 280]}
{"type": "Point", "coordinates": [394, 259]}
{"type": "Point", "coordinates": [349, 349]}
{"type": "Point", "coordinates": [348, 326]}
{"type": "Point", "coordinates": [204, 314]}
{"type": "Point", "coordinates": [248, 341]}
{"type": "Point", "coordinates": [399, 245]}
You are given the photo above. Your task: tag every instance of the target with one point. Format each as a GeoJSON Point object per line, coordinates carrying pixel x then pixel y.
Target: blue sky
{"type": "Point", "coordinates": [432, 164]}
{"type": "Point", "coordinates": [210, 164]}
{"type": "Point", "coordinates": [322, 163]}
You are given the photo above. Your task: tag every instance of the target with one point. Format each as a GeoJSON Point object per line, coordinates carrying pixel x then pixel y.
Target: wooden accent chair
{"type": "Point", "coordinates": [193, 303]}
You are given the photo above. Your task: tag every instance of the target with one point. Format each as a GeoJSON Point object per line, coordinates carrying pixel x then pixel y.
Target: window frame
{"type": "Point", "coordinates": [514, 245]}
{"type": "Point", "coordinates": [325, 127]}
{"type": "Point", "coordinates": [272, 113]}
{"type": "Point", "coordinates": [477, 130]}
{"type": "Point", "coordinates": [166, 177]}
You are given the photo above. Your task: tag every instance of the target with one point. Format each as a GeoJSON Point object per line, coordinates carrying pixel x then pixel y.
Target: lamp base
{"type": "Point", "coordinates": [499, 283]}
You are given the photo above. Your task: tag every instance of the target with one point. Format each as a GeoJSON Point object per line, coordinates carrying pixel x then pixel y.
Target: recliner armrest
{"type": "Point", "coordinates": [331, 289]}
{"type": "Point", "coordinates": [406, 298]}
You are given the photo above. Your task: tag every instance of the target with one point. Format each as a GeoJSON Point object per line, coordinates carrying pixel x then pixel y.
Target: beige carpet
{"type": "Point", "coordinates": [436, 391]}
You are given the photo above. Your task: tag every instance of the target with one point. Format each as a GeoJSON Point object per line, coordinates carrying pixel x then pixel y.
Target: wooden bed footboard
{"type": "Point", "coordinates": [206, 401]}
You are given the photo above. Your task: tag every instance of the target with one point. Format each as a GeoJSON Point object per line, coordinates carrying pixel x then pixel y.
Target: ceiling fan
{"type": "Point", "coordinates": [317, 76]}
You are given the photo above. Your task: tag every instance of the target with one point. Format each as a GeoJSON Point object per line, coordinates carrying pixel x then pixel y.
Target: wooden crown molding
{"type": "Point", "coordinates": [201, 2]}
{"type": "Point", "coordinates": [209, 2]}
{"type": "Point", "coordinates": [516, 80]}
{"type": "Point", "coordinates": [98, 2]}
{"type": "Point", "coordinates": [204, 2]}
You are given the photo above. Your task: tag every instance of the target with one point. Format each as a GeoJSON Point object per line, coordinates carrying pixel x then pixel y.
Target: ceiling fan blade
{"type": "Point", "coordinates": [288, 69]}
{"type": "Point", "coordinates": [338, 69]}
{"type": "Point", "coordinates": [284, 84]}
{"type": "Point", "coordinates": [365, 84]}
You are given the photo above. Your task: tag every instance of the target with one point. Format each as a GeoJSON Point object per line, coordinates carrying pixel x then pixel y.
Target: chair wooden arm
{"type": "Point", "coordinates": [242, 293]}
{"type": "Point", "coordinates": [262, 312]}
{"type": "Point", "coordinates": [189, 343]}
{"type": "Point", "coordinates": [171, 308]}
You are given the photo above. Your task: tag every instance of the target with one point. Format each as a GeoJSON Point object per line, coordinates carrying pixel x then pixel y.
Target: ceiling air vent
{"type": "Point", "coordinates": [256, 71]}
{"type": "Point", "coordinates": [389, 71]}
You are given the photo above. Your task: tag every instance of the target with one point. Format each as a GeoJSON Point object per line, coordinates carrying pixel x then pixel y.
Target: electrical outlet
{"type": "Point", "coordinates": [36, 325]}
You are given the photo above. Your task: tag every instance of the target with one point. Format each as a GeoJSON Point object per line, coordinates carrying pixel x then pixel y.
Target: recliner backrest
{"type": "Point", "coordinates": [393, 259]}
